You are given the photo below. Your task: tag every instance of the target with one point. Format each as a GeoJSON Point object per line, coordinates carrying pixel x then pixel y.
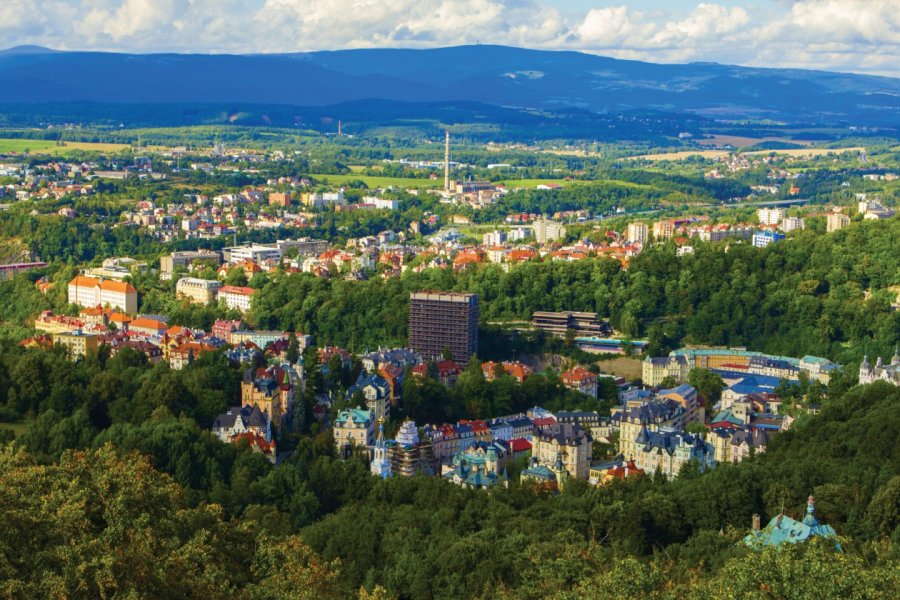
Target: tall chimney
{"type": "Point", "coordinates": [447, 160]}
{"type": "Point", "coordinates": [756, 522]}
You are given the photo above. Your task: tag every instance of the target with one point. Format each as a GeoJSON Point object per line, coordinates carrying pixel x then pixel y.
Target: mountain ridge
{"type": "Point", "coordinates": [494, 75]}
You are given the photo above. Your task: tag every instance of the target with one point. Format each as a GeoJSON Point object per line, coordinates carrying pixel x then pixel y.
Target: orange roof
{"type": "Point", "coordinates": [145, 323]}
{"type": "Point", "coordinates": [234, 289]}
{"type": "Point", "coordinates": [84, 281]}
{"type": "Point", "coordinates": [577, 374]}
{"type": "Point", "coordinates": [118, 286]}
{"type": "Point", "coordinates": [118, 317]}
{"type": "Point", "coordinates": [92, 311]}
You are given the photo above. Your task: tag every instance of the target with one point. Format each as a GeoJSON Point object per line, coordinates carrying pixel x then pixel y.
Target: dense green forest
{"type": "Point", "coordinates": [224, 519]}
{"type": "Point", "coordinates": [826, 295]}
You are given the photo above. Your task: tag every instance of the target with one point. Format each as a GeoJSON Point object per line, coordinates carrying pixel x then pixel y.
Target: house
{"type": "Point", "coordinates": [783, 529]}
{"type": "Point", "coordinates": [667, 450]}
{"type": "Point", "coordinates": [271, 389]}
{"type": "Point", "coordinates": [653, 416]}
{"type": "Point", "coordinates": [198, 291]}
{"type": "Point", "coordinates": [153, 352]}
{"type": "Point", "coordinates": [184, 354]}
{"type": "Point", "coordinates": [447, 371]}
{"type": "Point", "coordinates": [618, 469]}
{"type": "Point", "coordinates": [565, 441]}
{"type": "Point", "coordinates": [354, 428]}
{"type": "Point", "coordinates": [376, 392]}
{"type": "Point", "coordinates": [90, 291]}
{"type": "Point", "coordinates": [148, 327]}
{"type": "Point", "coordinates": [480, 466]}
{"type": "Point", "coordinates": [880, 372]}
{"type": "Point", "coordinates": [687, 397]}
{"type": "Point", "coordinates": [236, 297]}
{"type": "Point", "coordinates": [239, 420]}
{"type": "Point", "coordinates": [654, 370]}
{"type": "Point", "coordinates": [581, 380]}
{"type": "Point", "coordinates": [257, 443]}
{"type": "Point", "coordinates": [399, 357]}
{"type": "Point", "coordinates": [77, 343]}
{"type": "Point", "coordinates": [552, 477]}
{"type": "Point", "coordinates": [514, 369]}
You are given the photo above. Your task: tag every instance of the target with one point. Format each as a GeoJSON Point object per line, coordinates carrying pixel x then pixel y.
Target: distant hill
{"type": "Point", "coordinates": [493, 75]}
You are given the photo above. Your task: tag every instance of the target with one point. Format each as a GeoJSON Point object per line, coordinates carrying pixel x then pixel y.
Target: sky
{"type": "Point", "coordinates": [861, 36]}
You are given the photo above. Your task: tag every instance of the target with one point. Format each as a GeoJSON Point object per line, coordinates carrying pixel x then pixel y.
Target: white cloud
{"type": "Point", "coordinates": [851, 35]}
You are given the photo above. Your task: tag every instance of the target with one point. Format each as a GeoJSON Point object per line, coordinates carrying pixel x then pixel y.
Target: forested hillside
{"type": "Point", "coordinates": [133, 528]}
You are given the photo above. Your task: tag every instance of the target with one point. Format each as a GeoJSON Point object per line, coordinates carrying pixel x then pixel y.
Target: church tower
{"type": "Point", "coordinates": [381, 464]}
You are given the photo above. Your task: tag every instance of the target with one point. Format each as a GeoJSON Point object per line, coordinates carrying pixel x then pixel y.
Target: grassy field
{"type": "Point", "coordinates": [623, 366]}
{"type": "Point", "coordinates": [738, 141]}
{"type": "Point", "coordinates": [796, 152]}
{"type": "Point", "coordinates": [19, 427]}
{"type": "Point", "coordinates": [49, 147]}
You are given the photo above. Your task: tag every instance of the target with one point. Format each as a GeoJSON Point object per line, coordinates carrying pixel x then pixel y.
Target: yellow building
{"type": "Point", "coordinates": [198, 291]}
{"type": "Point", "coordinates": [354, 429]}
{"type": "Point", "coordinates": [77, 344]}
{"type": "Point", "coordinates": [567, 442]}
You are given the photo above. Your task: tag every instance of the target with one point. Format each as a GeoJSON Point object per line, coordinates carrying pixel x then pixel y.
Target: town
{"type": "Point", "coordinates": [506, 323]}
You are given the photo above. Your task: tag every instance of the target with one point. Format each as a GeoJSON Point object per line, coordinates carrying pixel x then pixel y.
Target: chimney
{"type": "Point", "coordinates": [756, 522]}
{"type": "Point", "coordinates": [447, 160]}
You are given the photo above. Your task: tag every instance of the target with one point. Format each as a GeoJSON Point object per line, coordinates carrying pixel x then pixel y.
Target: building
{"type": "Point", "coordinates": [181, 355]}
{"type": "Point", "coordinates": [256, 253]}
{"type": "Point", "coordinates": [399, 357]}
{"type": "Point", "coordinates": [654, 370]}
{"type": "Point", "coordinates": [376, 392]}
{"type": "Point", "coordinates": [565, 441]}
{"type": "Point", "coordinates": [443, 320]}
{"type": "Point", "coordinates": [303, 246]}
{"type": "Point", "coordinates": [548, 231]}
{"type": "Point", "coordinates": [239, 420]}
{"type": "Point", "coordinates": [653, 416]}
{"type": "Point", "coordinates": [8, 271]}
{"type": "Point", "coordinates": [551, 477]}
{"type": "Point", "coordinates": [198, 291]}
{"type": "Point", "coordinates": [770, 216]}
{"type": "Point", "coordinates": [687, 397]}
{"type": "Point", "coordinates": [614, 470]}
{"type": "Point", "coordinates": [271, 389]}
{"type": "Point", "coordinates": [381, 464]}
{"type": "Point", "coordinates": [77, 343]}
{"type": "Point", "coordinates": [279, 199]}
{"type": "Point", "coordinates": [147, 326]}
{"type": "Point", "coordinates": [636, 232]}
{"type": "Point", "coordinates": [783, 529]}
{"type": "Point", "coordinates": [482, 465]}
{"type": "Point", "coordinates": [761, 239]}
{"type": "Point", "coordinates": [518, 371]}
{"type": "Point", "coordinates": [880, 372]}
{"type": "Point", "coordinates": [580, 324]}
{"type": "Point", "coordinates": [354, 428]}
{"type": "Point", "coordinates": [236, 297]}
{"type": "Point", "coordinates": [668, 450]}
{"type": "Point", "coordinates": [494, 238]}
{"type": "Point", "coordinates": [663, 230]}
{"type": "Point", "coordinates": [792, 224]}
{"type": "Point", "coordinates": [581, 380]}
{"type": "Point", "coordinates": [168, 264]}
{"type": "Point", "coordinates": [89, 291]}
{"type": "Point", "coordinates": [409, 455]}
{"type": "Point", "coordinates": [836, 221]}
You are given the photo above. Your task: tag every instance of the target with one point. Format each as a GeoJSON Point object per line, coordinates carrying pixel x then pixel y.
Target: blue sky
{"type": "Point", "coordinates": [860, 36]}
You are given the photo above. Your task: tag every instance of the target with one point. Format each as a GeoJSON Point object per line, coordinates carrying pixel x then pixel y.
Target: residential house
{"type": "Point", "coordinates": [566, 441]}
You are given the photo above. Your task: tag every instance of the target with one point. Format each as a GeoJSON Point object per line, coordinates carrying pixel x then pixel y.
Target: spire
{"type": "Point", "coordinates": [810, 518]}
{"type": "Point", "coordinates": [895, 360]}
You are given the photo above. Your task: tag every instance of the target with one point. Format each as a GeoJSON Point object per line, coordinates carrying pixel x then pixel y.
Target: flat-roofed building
{"type": "Point", "coordinates": [76, 343]}
{"type": "Point", "coordinates": [443, 320]}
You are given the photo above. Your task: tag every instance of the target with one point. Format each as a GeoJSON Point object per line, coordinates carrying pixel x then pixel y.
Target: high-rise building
{"type": "Point", "coordinates": [439, 320]}
{"type": "Point", "coordinates": [548, 231]}
{"type": "Point", "coordinates": [636, 232]}
{"type": "Point", "coordinates": [770, 216]}
{"type": "Point", "coordinates": [792, 224]}
{"type": "Point", "coordinates": [836, 221]}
